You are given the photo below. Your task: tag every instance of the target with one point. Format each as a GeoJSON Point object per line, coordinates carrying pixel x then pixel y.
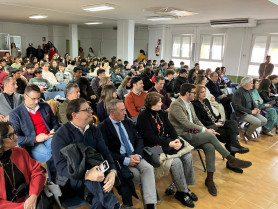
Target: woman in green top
{"type": "Point", "coordinates": [269, 112]}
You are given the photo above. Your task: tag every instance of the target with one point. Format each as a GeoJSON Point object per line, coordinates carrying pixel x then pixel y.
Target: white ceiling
{"type": "Point", "coordinates": [63, 12]}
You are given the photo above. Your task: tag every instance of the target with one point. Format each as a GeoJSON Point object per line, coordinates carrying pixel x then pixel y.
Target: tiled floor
{"type": "Point", "coordinates": [256, 188]}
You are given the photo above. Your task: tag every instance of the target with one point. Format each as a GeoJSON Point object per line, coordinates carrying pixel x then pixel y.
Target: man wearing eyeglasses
{"type": "Point", "coordinates": [35, 124]}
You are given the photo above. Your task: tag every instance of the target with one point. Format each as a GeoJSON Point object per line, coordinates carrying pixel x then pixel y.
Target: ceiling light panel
{"type": "Point", "coordinates": [160, 18]}
{"type": "Point", "coordinates": [93, 23]}
{"type": "Point", "coordinates": [38, 16]}
{"type": "Point", "coordinates": [99, 7]}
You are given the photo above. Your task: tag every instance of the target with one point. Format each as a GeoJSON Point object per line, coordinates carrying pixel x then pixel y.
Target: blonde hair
{"type": "Point", "coordinates": [198, 90]}
{"type": "Point", "coordinates": [103, 81]}
{"type": "Point", "coordinates": [107, 94]}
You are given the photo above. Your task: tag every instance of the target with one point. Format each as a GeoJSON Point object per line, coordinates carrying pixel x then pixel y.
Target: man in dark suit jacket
{"type": "Point", "coordinates": [214, 88]}
{"type": "Point", "coordinates": [126, 146]}
{"type": "Point", "coordinates": [266, 68]}
{"type": "Point", "coordinates": [35, 124]}
{"type": "Point", "coordinates": [9, 99]}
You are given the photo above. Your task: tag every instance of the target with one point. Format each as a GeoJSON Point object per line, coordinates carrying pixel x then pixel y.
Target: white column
{"type": "Point", "coordinates": [73, 33]}
{"type": "Point", "coordinates": [125, 40]}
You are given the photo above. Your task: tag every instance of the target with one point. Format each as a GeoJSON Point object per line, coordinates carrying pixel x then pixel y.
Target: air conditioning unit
{"type": "Point", "coordinates": [239, 22]}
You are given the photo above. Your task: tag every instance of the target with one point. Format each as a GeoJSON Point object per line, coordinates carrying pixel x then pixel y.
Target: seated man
{"type": "Point", "coordinates": [95, 81]}
{"type": "Point", "coordinates": [21, 84]}
{"type": "Point", "coordinates": [214, 88]}
{"type": "Point", "coordinates": [127, 147]}
{"type": "Point", "coordinates": [79, 130]}
{"type": "Point", "coordinates": [246, 109]}
{"type": "Point", "coordinates": [72, 92]}
{"type": "Point", "coordinates": [9, 99]}
{"type": "Point", "coordinates": [183, 117]}
{"type": "Point", "coordinates": [62, 76]}
{"type": "Point", "coordinates": [39, 81]}
{"type": "Point", "coordinates": [117, 77]}
{"type": "Point", "coordinates": [29, 73]}
{"type": "Point", "coordinates": [179, 80]}
{"type": "Point", "coordinates": [159, 82]}
{"type": "Point", "coordinates": [35, 124]}
{"type": "Point", "coordinates": [134, 101]}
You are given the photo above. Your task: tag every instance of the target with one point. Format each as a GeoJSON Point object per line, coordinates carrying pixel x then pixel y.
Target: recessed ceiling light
{"type": "Point", "coordinates": [93, 23]}
{"type": "Point", "coordinates": [99, 7]}
{"type": "Point", "coordinates": [274, 1]}
{"type": "Point", "coordinates": [159, 18]}
{"type": "Point", "coordinates": [38, 16]}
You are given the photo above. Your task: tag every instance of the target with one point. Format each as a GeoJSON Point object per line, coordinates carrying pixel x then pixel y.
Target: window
{"type": "Point", "coordinates": [4, 42]}
{"type": "Point", "coordinates": [181, 50]}
{"type": "Point", "coordinates": [212, 51]}
{"type": "Point", "coordinates": [263, 45]}
{"type": "Point", "coordinates": [17, 41]}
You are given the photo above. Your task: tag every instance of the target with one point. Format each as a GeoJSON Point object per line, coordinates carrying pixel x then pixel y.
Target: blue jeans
{"type": "Point", "coordinates": [42, 151]}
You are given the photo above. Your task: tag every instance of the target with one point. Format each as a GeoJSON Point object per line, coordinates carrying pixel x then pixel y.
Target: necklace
{"type": "Point", "coordinates": [12, 183]}
{"type": "Point", "coordinates": [159, 124]}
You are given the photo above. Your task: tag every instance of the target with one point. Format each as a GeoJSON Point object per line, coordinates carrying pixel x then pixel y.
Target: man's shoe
{"type": "Point", "coordinates": [184, 199]}
{"type": "Point", "coordinates": [191, 195]}
{"type": "Point", "coordinates": [237, 163]}
{"type": "Point", "coordinates": [237, 170]}
{"type": "Point", "coordinates": [240, 149]}
{"type": "Point", "coordinates": [268, 133]}
{"type": "Point", "coordinates": [211, 187]}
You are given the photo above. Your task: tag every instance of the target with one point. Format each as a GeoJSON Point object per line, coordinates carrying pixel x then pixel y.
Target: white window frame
{"type": "Point", "coordinates": [186, 59]}
{"type": "Point", "coordinates": [268, 39]}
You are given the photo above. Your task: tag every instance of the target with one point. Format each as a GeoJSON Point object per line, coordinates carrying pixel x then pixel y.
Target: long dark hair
{"type": "Point", "coordinates": [4, 130]}
{"type": "Point", "coordinates": [264, 85]}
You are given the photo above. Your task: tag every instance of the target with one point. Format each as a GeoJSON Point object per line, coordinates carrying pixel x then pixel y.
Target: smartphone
{"type": "Point", "coordinates": [103, 166]}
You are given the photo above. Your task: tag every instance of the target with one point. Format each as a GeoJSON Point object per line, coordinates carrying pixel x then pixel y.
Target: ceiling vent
{"type": "Point", "coordinates": [239, 22]}
{"type": "Point", "coordinates": [169, 11]}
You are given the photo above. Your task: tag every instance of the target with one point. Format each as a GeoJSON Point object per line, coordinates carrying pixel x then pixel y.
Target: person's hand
{"type": "Point", "coordinates": [7, 118]}
{"type": "Point", "coordinates": [94, 175]}
{"type": "Point", "coordinates": [31, 202]}
{"type": "Point", "coordinates": [212, 99]}
{"type": "Point", "coordinates": [109, 182]}
{"type": "Point", "coordinates": [224, 95]}
{"type": "Point", "coordinates": [133, 161]}
{"type": "Point", "coordinates": [93, 97]}
{"type": "Point", "coordinates": [2, 117]}
{"type": "Point", "coordinates": [42, 90]}
{"type": "Point", "coordinates": [42, 137]}
{"type": "Point", "coordinates": [219, 124]}
{"type": "Point", "coordinates": [255, 111]}
{"type": "Point", "coordinates": [167, 110]}
{"type": "Point", "coordinates": [212, 131]}
{"type": "Point", "coordinates": [136, 157]}
{"type": "Point", "coordinates": [176, 144]}
{"type": "Point", "coordinates": [271, 94]}
{"type": "Point", "coordinates": [52, 132]}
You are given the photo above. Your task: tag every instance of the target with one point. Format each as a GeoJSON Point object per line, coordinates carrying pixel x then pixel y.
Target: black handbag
{"type": "Point", "coordinates": [151, 155]}
{"type": "Point", "coordinates": [43, 202]}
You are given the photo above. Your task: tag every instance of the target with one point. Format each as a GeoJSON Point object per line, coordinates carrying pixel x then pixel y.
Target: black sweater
{"type": "Point", "coordinates": [147, 128]}
{"type": "Point", "coordinates": [202, 113]}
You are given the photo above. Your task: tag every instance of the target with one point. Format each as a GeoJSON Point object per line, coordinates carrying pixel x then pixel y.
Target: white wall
{"type": "Point", "coordinates": [103, 41]}
{"type": "Point", "coordinates": [238, 42]}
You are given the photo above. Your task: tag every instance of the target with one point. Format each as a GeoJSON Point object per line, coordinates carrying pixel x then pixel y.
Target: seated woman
{"type": "Point", "coordinates": [103, 82]}
{"type": "Point", "coordinates": [124, 88]}
{"type": "Point", "coordinates": [192, 74]}
{"type": "Point", "coordinates": [108, 93]}
{"type": "Point", "coordinates": [17, 168]}
{"type": "Point", "coordinates": [153, 125]}
{"type": "Point", "coordinates": [228, 130]}
{"type": "Point", "coordinates": [269, 112]}
{"type": "Point", "coordinates": [264, 91]}
{"type": "Point", "coordinates": [217, 107]}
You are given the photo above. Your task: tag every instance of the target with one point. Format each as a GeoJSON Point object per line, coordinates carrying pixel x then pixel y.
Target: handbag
{"type": "Point", "coordinates": [43, 201]}
{"type": "Point", "coordinates": [151, 155]}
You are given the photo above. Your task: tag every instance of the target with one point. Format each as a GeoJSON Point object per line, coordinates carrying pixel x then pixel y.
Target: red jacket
{"type": "Point", "coordinates": [32, 171]}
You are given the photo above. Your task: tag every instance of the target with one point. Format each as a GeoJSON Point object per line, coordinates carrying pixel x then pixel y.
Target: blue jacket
{"type": "Point", "coordinates": [23, 124]}
{"type": "Point", "coordinates": [69, 134]}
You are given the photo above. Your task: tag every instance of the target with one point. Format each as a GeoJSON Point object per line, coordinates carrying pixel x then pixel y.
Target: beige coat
{"type": "Point", "coordinates": [179, 117]}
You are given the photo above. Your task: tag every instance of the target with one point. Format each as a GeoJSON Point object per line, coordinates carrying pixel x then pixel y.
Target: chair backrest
{"type": "Point", "coordinates": [61, 86]}
{"type": "Point", "coordinates": [232, 107]}
{"type": "Point", "coordinates": [52, 95]}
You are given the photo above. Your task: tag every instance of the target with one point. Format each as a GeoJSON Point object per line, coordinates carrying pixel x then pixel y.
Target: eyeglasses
{"type": "Point", "coordinates": [88, 109]}
{"type": "Point", "coordinates": [33, 99]}
{"type": "Point", "coordinates": [11, 135]}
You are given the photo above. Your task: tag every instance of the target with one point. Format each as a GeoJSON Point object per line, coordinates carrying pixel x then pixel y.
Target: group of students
{"type": "Point", "coordinates": [196, 119]}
